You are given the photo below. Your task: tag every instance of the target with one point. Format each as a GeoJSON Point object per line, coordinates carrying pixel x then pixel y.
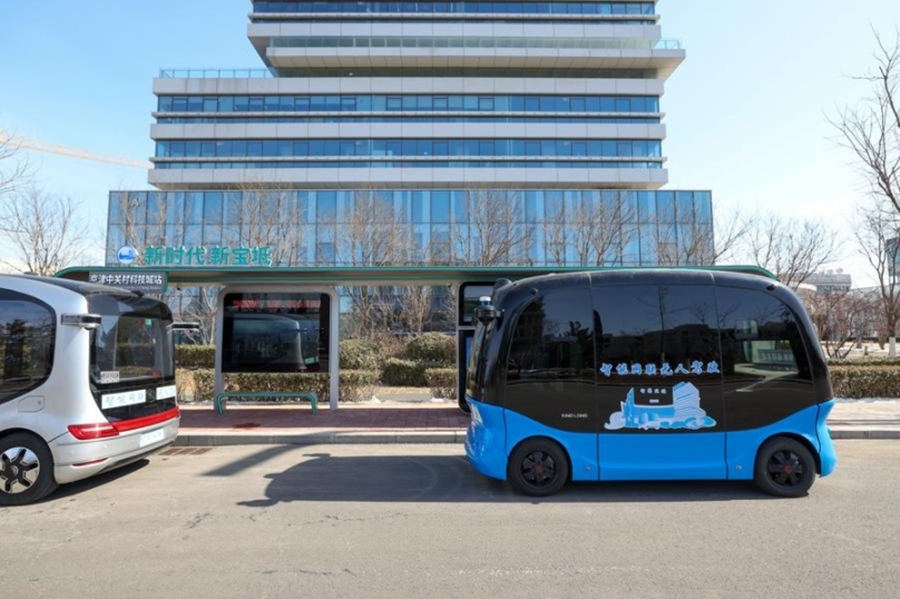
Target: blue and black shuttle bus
{"type": "Point", "coordinates": [659, 374]}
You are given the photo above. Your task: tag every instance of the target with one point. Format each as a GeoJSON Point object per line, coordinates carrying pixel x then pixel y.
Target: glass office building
{"type": "Point", "coordinates": [422, 132]}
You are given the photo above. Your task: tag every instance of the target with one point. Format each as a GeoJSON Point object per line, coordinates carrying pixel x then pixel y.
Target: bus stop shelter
{"type": "Point", "coordinates": [264, 291]}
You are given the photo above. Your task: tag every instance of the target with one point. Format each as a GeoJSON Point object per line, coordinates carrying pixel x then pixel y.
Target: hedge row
{"type": "Point", "coordinates": [858, 381]}
{"type": "Point", "coordinates": [199, 384]}
{"type": "Point", "coordinates": [400, 364]}
{"type": "Point", "coordinates": [866, 361]}
{"type": "Point", "coordinates": [195, 356]}
{"type": "Point", "coordinates": [442, 382]}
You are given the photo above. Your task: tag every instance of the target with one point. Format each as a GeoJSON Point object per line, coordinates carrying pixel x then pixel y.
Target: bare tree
{"type": "Point", "coordinates": [370, 231]}
{"type": "Point", "coordinates": [14, 169]}
{"type": "Point", "coordinates": [792, 249]}
{"type": "Point", "coordinates": [272, 218]}
{"type": "Point", "coordinates": [556, 234]}
{"type": "Point", "coordinates": [493, 232]}
{"type": "Point", "coordinates": [696, 243]}
{"type": "Point", "coordinates": [196, 304]}
{"type": "Point", "coordinates": [417, 306]}
{"type": "Point", "coordinates": [840, 317]}
{"type": "Point", "coordinates": [45, 230]}
{"type": "Point", "coordinates": [871, 129]}
{"type": "Point", "coordinates": [597, 231]}
{"type": "Point", "coordinates": [878, 234]}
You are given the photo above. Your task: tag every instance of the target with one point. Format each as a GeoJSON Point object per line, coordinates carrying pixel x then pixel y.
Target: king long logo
{"type": "Point", "coordinates": [661, 408]}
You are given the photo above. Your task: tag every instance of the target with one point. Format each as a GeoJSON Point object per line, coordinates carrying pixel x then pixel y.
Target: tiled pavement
{"type": "Point", "coordinates": [427, 422]}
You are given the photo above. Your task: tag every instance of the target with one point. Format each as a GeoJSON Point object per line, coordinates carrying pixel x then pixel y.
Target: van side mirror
{"type": "Point", "coordinates": [85, 321]}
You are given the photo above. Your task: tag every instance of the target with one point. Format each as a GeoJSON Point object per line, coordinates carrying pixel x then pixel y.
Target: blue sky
{"type": "Point", "coordinates": [746, 112]}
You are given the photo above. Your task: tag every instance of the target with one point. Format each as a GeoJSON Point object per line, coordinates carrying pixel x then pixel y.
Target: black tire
{"type": "Point", "coordinates": [784, 468]}
{"type": "Point", "coordinates": [538, 467]}
{"type": "Point", "coordinates": [26, 469]}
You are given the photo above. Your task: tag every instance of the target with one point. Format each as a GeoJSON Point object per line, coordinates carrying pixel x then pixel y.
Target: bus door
{"type": "Point", "coordinates": [550, 386]}
{"type": "Point", "coordinates": [659, 382]}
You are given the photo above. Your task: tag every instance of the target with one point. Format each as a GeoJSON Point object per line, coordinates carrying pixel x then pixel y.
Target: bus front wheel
{"type": "Point", "coordinates": [26, 469]}
{"type": "Point", "coordinates": [538, 467]}
{"type": "Point", "coordinates": [784, 468]}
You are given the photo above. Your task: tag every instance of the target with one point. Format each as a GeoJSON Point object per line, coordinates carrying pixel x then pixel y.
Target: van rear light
{"type": "Point", "coordinates": [85, 432]}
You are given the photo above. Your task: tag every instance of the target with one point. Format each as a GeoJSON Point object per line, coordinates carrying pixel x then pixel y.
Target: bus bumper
{"type": "Point", "coordinates": [827, 453]}
{"type": "Point", "coordinates": [484, 447]}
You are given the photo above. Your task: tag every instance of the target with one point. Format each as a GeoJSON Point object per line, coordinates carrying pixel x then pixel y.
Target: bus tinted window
{"type": "Point", "coordinates": [764, 360]}
{"type": "Point", "coordinates": [553, 339]}
{"type": "Point", "coordinates": [550, 370]}
{"type": "Point", "coordinates": [26, 344]}
{"type": "Point", "coordinates": [654, 338]}
{"type": "Point", "coordinates": [657, 325]}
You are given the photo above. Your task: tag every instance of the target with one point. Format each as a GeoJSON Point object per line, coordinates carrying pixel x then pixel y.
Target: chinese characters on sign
{"type": "Point", "coordinates": [217, 255]}
{"type": "Point", "coordinates": [146, 282]}
{"type": "Point", "coordinates": [666, 369]}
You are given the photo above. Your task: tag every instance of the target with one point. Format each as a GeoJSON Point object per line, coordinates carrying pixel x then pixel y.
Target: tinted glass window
{"type": "Point", "coordinates": [471, 294]}
{"type": "Point", "coordinates": [275, 332]}
{"type": "Point", "coordinates": [27, 330]}
{"type": "Point", "coordinates": [764, 359]}
{"type": "Point", "coordinates": [657, 354]}
{"type": "Point", "coordinates": [550, 366]}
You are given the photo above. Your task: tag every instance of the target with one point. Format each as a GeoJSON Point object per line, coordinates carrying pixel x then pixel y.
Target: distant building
{"type": "Point", "coordinates": [447, 117]}
{"type": "Point", "coordinates": [831, 282]}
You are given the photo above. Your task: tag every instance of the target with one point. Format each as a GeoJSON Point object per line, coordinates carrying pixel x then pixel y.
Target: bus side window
{"type": "Point", "coordinates": [766, 370]}
{"type": "Point", "coordinates": [760, 335]}
{"type": "Point", "coordinates": [553, 338]}
{"type": "Point", "coordinates": [27, 331]}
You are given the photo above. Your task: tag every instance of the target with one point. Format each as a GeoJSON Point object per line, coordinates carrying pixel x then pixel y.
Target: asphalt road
{"type": "Point", "coordinates": [416, 521]}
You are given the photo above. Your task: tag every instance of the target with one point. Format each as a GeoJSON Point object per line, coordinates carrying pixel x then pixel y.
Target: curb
{"type": "Point", "coordinates": [189, 439]}
{"type": "Point", "coordinates": [865, 434]}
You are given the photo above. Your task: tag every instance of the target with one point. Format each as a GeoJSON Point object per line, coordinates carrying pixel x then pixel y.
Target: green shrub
{"type": "Point", "coordinates": [204, 384]}
{"type": "Point", "coordinates": [186, 385]}
{"type": "Point", "coordinates": [433, 348]}
{"type": "Point", "coordinates": [354, 385]}
{"type": "Point", "coordinates": [357, 385]}
{"type": "Point", "coordinates": [360, 354]}
{"type": "Point", "coordinates": [403, 373]}
{"type": "Point", "coordinates": [195, 356]}
{"type": "Point", "coordinates": [856, 381]}
{"type": "Point", "coordinates": [442, 382]}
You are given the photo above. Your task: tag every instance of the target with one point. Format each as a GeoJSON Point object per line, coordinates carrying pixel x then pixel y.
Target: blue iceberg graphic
{"type": "Point", "coordinates": [655, 409]}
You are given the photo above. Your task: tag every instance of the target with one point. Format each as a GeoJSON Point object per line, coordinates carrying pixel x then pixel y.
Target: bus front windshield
{"type": "Point", "coordinates": [133, 342]}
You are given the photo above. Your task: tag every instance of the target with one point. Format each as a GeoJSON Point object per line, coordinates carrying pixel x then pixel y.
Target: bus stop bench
{"type": "Point", "coordinates": [221, 398]}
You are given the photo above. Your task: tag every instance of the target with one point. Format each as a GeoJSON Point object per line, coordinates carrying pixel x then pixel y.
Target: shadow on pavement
{"type": "Point", "coordinates": [451, 479]}
{"type": "Point", "coordinates": [93, 482]}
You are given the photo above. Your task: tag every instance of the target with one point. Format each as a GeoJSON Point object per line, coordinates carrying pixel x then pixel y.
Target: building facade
{"type": "Point", "coordinates": [421, 132]}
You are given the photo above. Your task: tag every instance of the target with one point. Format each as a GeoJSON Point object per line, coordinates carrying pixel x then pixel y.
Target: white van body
{"type": "Point", "coordinates": [77, 397]}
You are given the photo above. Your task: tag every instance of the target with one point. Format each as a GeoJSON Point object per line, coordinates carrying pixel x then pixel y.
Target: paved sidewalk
{"type": "Point", "coordinates": [394, 421]}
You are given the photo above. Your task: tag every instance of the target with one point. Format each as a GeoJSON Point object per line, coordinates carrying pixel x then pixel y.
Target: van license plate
{"type": "Point", "coordinates": [152, 437]}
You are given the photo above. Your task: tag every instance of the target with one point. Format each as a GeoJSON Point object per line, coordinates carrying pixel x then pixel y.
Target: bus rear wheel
{"type": "Point", "coordinates": [538, 467]}
{"type": "Point", "coordinates": [26, 469]}
{"type": "Point", "coordinates": [784, 468]}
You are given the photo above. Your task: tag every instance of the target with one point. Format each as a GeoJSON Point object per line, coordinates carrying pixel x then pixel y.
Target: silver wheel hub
{"type": "Point", "coordinates": [19, 470]}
